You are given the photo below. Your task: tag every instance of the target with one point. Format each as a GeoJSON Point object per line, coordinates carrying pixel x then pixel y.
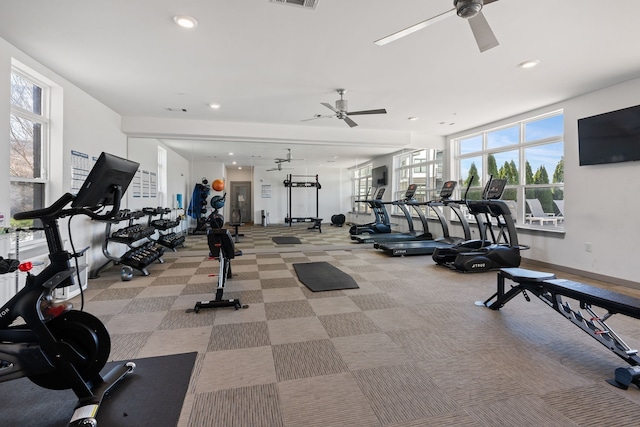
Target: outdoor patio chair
{"type": "Point", "coordinates": [538, 214]}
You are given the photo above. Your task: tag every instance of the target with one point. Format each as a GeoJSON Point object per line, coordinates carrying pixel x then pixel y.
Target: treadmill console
{"type": "Point", "coordinates": [380, 193]}
{"type": "Point", "coordinates": [447, 190]}
{"type": "Point", "coordinates": [411, 191]}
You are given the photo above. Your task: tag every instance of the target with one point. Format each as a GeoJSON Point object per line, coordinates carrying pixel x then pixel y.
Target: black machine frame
{"type": "Point", "coordinates": [289, 183]}
{"type": "Point", "coordinates": [221, 246]}
{"type": "Point", "coordinates": [58, 347]}
{"type": "Point", "coordinates": [502, 251]}
{"type": "Point", "coordinates": [551, 291]}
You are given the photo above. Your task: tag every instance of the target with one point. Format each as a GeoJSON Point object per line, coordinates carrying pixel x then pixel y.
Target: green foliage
{"type": "Point", "coordinates": [23, 223]}
{"type": "Point", "coordinates": [528, 174]}
{"type": "Point", "coordinates": [558, 174]}
{"type": "Point", "coordinates": [492, 166]}
{"type": "Point", "coordinates": [541, 176]}
{"type": "Point", "coordinates": [473, 172]}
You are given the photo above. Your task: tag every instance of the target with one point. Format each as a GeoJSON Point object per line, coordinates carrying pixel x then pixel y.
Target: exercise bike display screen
{"type": "Point", "coordinates": [97, 189]}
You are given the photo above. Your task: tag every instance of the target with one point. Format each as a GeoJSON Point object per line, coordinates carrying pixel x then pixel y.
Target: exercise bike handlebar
{"type": "Point", "coordinates": [56, 210]}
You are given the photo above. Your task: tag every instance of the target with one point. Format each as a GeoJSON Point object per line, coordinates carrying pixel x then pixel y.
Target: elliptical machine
{"type": "Point", "coordinates": [502, 251]}
{"type": "Point", "coordinates": [59, 348]}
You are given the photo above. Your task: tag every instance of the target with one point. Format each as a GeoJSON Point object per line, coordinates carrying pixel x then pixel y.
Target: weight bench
{"type": "Point", "coordinates": [221, 247]}
{"type": "Point", "coordinates": [550, 290]}
{"type": "Point", "coordinates": [317, 224]}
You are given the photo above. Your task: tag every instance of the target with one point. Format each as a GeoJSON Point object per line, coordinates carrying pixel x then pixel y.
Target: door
{"type": "Point", "coordinates": [241, 199]}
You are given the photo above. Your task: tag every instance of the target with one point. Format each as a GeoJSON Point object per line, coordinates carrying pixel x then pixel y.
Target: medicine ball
{"type": "Point", "coordinates": [218, 185]}
{"type": "Point", "coordinates": [217, 202]}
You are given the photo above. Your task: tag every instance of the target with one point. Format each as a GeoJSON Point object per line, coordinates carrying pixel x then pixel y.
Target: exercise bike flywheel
{"type": "Point", "coordinates": [88, 349]}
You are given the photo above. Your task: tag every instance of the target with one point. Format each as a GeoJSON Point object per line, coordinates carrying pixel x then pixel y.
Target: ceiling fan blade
{"type": "Point", "coordinates": [482, 32]}
{"type": "Point", "coordinates": [414, 28]}
{"type": "Point", "coordinates": [317, 116]}
{"type": "Point", "coordinates": [329, 106]}
{"type": "Point", "coordinates": [486, 2]}
{"type": "Point", "coordinates": [359, 113]}
{"type": "Point", "coordinates": [350, 122]}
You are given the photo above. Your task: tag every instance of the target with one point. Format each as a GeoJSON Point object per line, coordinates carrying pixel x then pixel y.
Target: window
{"type": "Point", "coordinates": [362, 189]}
{"type": "Point", "coordinates": [28, 138]}
{"type": "Point", "coordinates": [421, 167]}
{"type": "Point", "coordinates": [162, 176]}
{"type": "Point", "coordinates": [529, 155]}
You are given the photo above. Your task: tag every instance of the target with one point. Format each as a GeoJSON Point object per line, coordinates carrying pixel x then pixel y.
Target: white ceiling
{"type": "Point", "coordinates": [269, 63]}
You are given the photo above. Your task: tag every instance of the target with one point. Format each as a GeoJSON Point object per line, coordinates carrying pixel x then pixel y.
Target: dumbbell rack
{"type": "Point", "coordinates": [139, 256]}
{"type": "Point", "coordinates": [171, 239]}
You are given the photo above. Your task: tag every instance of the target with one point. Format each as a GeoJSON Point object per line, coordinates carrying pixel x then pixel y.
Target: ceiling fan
{"type": "Point", "coordinates": [280, 161]}
{"type": "Point", "coordinates": [468, 9]}
{"type": "Point", "coordinates": [278, 167]}
{"type": "Point", "coordinates": [289, 158]}
{"type": "Point", "coordinates": [341, 112]}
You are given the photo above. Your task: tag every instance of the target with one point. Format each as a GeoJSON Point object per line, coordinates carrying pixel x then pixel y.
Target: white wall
{"type": "Point", "coordinates": [5, 90]}
{"type": "Point", "coordinates": [145, 152]}
{"type": "Point", "coordinates": [79, 123]}
{"type": "Point", "coordinates": [601, 201]}
{"type": "Point", "coordinates": [303, 200]}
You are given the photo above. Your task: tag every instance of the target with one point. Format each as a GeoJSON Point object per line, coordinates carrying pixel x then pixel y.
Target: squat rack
{"type": "Point", "coordinates": [290, 183]}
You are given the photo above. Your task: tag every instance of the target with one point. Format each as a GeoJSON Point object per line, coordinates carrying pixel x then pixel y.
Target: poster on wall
{"type": "Point", "coordinates": [136, 184]}
{"type": "Point", "coordinates": [80, 167]}
{"type": "Point", "coordinates": [146, 184]}
{"type": "Point", "coordinates": [153, 184]}
{"type": "Point", "coordinates": [266, 191]}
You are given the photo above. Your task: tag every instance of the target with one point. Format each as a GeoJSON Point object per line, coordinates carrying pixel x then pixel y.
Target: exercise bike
{"type": "Point", "coordinates": [57, 347]}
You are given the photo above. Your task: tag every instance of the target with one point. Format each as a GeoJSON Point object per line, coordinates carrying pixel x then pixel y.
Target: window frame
{"type": "Point", "coordinates": [403, 172]}
{"type": "Point", "coordinates": [522, 188]}
{"type": "Point", "coordinates": [44, 120]}
{"type": "Point", "coordinates": [364, 173]}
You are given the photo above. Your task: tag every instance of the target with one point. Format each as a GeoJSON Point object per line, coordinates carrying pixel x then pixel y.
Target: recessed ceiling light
{"type": "Point", "coordinates": [413, 119]}
{"type": "Point", "coordinates": [240, 167]}
{"type": "Point", "coordinates": [214, 106]}
{"type": "Point", "coordinates": [186, 21]}
{"type": "Point", "coordinates": [233, 163]}
{"type": "Point", "coordinates": [529, 64]}
{"type": "Point", "coordinates": [231, 154]}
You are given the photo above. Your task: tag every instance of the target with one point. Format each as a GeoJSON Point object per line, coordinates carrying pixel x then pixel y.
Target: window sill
{"type": "Point", "coordinates": [533, 229]}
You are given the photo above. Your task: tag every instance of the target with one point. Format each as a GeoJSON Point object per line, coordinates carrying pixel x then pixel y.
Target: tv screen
{"type": "Point", "coordinates": [379, 176]}
{"type": "Point", "coordinates": [610, 137]}
{"type": "Point", "coordinates": [108, 171]}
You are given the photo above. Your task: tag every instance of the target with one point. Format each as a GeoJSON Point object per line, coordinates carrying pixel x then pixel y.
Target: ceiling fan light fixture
{"type": "Point", "coordinates": [467, 8]}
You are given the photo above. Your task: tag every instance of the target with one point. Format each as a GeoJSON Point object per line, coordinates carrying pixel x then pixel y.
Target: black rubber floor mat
{"type": "Point", "coordinates": [152, 395]}
{"type": "Point", "coordinates": [286, 240]}
{"type": "Point", "coordinates": [322, 276]}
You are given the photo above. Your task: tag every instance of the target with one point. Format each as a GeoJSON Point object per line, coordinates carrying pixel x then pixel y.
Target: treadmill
{"type": "Point", "coordinates": [428, 246]}
{"type": "Point", "coordinates": [412, 234]}
{"type": "Point", "coordinates": [381, 223]}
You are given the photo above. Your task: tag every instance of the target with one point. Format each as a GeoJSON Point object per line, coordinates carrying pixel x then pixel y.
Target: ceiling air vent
{"type": "Point", "coordinates": [307, 4]}
{"type": "Point", "coordinates": [176, 110]}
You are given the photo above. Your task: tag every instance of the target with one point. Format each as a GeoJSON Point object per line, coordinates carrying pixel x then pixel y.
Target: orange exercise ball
{"type": "Point", "coordinates": [218, 185]}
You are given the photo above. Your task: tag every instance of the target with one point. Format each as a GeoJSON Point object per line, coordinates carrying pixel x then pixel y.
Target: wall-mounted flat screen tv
{"type": "Point", "coordinates": [379, 176]}
{"type": "Point", "coordinates": [610, 137]}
